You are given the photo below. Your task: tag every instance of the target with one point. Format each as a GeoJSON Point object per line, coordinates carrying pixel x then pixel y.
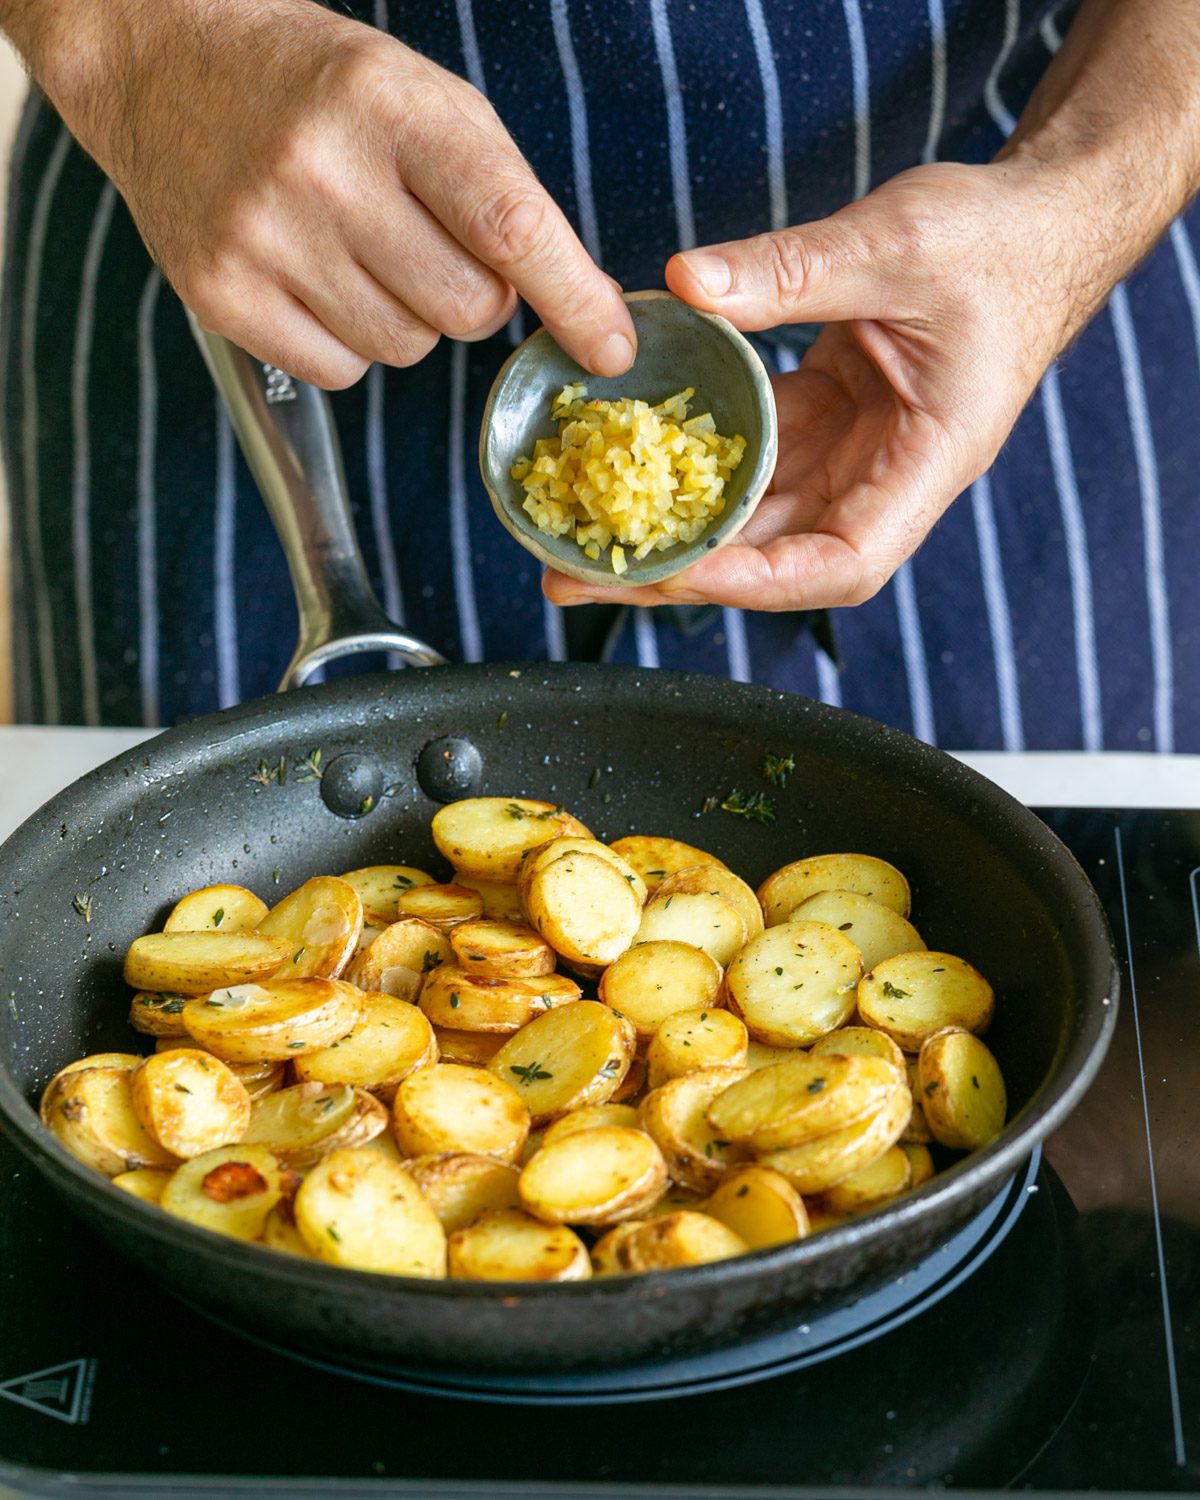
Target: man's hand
{"type": "Point", "coordinates": [313, 189]}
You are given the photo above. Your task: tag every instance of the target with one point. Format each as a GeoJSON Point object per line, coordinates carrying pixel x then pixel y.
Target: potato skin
{"type": "Point", "coordinates": [190, 1102]}
{"type": "Point", "coordinates": [675, 1116]}
{"type": "Point", "coordinates": [962, 1090]}
{"type": "Point", "coordinates": [196, 963]}
{"type": "Point", "coordinates": [594, 1177]}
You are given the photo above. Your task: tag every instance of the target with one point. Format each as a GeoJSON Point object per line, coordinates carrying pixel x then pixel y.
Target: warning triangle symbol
{"type": "Point", "coordinates": [62, 1391]}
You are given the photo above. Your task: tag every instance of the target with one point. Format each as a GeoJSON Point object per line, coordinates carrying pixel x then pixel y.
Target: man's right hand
{"type": "Point", "coordinates": [312, 188]}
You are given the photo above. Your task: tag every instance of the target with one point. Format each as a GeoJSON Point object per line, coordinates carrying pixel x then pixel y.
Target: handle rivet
{"type": "Point", "coordinates": [449, 768]}
{"type": "Point", "coordinates": [352, 784]}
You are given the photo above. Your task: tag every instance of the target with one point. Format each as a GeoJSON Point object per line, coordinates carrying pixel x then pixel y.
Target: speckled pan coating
{"type": "Point", "coordinates": [626, 751]}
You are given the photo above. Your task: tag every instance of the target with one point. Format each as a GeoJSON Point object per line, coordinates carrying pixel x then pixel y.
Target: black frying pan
{"type": "Point", "coordinates": [989, 882]}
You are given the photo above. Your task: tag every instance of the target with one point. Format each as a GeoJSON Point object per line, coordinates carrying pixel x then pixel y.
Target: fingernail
{"type": "Point", "coordinates": [614, 356]}
{"type": "Point", "coordinates": [711, 271]}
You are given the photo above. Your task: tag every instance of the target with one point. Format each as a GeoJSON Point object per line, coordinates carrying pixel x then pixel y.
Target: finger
{"type": "Point", "coordinates": [828, 271]}
{"type": "Point", "coordinates": [276, 328]}
{"type": "Point", "coordinates": [364, 315]}
{"type": "Point", "coordinates": [480, 188]}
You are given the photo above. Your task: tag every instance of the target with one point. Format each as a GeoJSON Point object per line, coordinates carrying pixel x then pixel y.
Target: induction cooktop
{"type": "Point", "coordinates": [1052, 1344]}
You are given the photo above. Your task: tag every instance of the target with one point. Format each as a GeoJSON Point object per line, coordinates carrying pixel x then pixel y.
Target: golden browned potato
{"type": "Point", "coordinates": [379, 887]}
{"type": "Point", "coordinates": [917, 1130]}
{"type": "Point", "coordinates": [606, 1252]}
{"type": "Point", "coordinates": [584, 908]}
{"type": "Point", "coordinates": [633, 1085]}
{"type": "Point", "coordinates": [156, 1014]}
{"type": "Point", "coordinates": [190, 1102]}
{"type": "Point", "coordinates": [501, 902]}
{"type": "Point", "coordinates": [655, 858]}
{"type": "Point", "coordinates": [511, 1246]}
{"type": "Point", "coordinates": [760, 1206]}
{"type": "Point", "coordinates": [589, 1117]}
{"type": "Point", "coordinates": [230, 1190]}
{"type": "Point", "coordinates": [359, 1209]}
{"type": "Point", "coordinates": [321, 922]}
{"type": "Point", "coordinates": [566, 1058]}
{"type": "Point", "coordinates": [146, 1183]}
{"type": "Point", "coordinates": [442, 906]}
{"type": "Point", "coordinates": [538, 858]}
{"type": "Point", "coordinates": [876, 930]}
{"type": "Point", "coordinates": [920, 1162]}
{"type": "Point", "coordinates": [782, 892]}
{"type": "Point", "coordinates": [697, 918]}
{"type": "Point", "coordinates": [595, 1177]}
{"type": "Point", "coordinates": [687, 1238]}
{"type": "Point", "coordinates": [886, 1177]}
{"type": "Point", "coordinates": [257, 1078]}
{"type": "Point", "coordinates": [676, 1115]}
{"type": "Point", "coordinates": [195, 963]}
{"type": "Point", "coordinates": [501, 950]}
{"type": "Point", "coordinates": [796, 1101]}
{"type": "Point", "coordinates": [124, 1062]}
{"type": "Point", "coordinates": [90, 1112]}
{"type": "Point", "coordinates": [280, 1231]}
{"type": "Point", "coordinates": [392, 1040]}
{"type": "Point", "coordinates": [453, 1108]}
{"type": "Point", "coordinates": [915, 994]}
{"type": "Point", "coordinates": [462, 1186]}
{"type": "Point", "coordinates": [485, 837]}
{"type": "Point", "coordinates": [304, 1123]}
{"type": "Point", "coordinates": [217, 908]}
{"type": "Point", "coordinates": [820, 1164]}
{"type": "Point", "coordinates": [712, 878]}
{"type": "Point", "coordinates": [794, 983]}
{"type": "Point", "coordinates": [961, 1090]}
{"type": "Point", "coordinates": [397, 959]}
{"type": "Point", "coordinates": [694, 1039]}
{"type": "Point", "coordinates": [473, 1002]}
{"type": "Point", "coordinates": [652, 981]}
{"type": "Point", "coordinates": [859, 1041]}
{"type": "Point", "coordinates": [759, 1055]}
{"type": "Point", "coordinates": [275, 1020]}
{"type": "Point", "coordinates": [474, 1048]}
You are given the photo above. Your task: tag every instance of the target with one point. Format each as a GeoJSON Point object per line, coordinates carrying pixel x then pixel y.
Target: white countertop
{"type": "Point", "coordinates": [36, 762]}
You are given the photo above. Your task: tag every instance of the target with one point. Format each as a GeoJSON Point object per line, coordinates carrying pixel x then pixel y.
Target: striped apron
{"type": "Point", "coordinates": [1055, 605]}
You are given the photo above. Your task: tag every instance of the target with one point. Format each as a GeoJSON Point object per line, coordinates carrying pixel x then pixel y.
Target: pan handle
{"type": "Point", "coordinates": [287, 434]}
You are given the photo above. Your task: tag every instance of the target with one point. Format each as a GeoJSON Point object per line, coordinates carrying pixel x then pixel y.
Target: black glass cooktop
{"type": "Point", "coordinates": [1055, 1345]}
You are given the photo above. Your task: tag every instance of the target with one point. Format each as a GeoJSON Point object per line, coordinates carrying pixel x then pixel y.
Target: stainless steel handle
{"type": "Point", "coordinates": [287, 434]}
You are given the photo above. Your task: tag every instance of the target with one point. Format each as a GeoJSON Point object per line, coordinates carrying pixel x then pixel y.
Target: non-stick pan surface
{"type": "Point", "coordinates": [626, 751]}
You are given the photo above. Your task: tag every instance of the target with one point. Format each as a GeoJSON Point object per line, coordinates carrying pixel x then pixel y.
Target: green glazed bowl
{"type": "Point", "coordinates": [677, 347]}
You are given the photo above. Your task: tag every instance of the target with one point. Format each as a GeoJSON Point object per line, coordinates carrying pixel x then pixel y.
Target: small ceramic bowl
{"type": "Point", "coordinates": [677, 347]}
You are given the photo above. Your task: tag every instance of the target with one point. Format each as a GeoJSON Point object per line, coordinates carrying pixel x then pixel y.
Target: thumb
{"type": "Point", "coordinates": [816, 273]}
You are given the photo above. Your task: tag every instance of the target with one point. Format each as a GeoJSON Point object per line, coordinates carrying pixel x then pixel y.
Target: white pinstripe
{"type": "Point", "coordinates": [1062, 463]}
{"type": "Point", "coordinates": [772, 111]}
{"type": "Point", "coordinates": [912, 642]}
{"type": "Point", "coordinates": [1051, 36]}
{"type": "Point", "coordinates": [460, 536]}
{"type": "Point", "coordinates": [81, 465]}
{"type": "Point", "coordinates": [645, 638]}
{"type": "Point", "coordinates": [681, 185]}
{"type": "Point", "coordinates": [225, 629]}
{"type": "Point", "coordinates": [737, 647]}
{"type": "Point", "coordinates": [991, 92]}
{"type": "Point", "coordinates": [147, 519]}
{"type": "Point", "coordinates": [377, 495]}
{"type": "Point", "coordinates": [1161, 660]}
{"type": "Point", "coordinates": [1189, 275]}
{"type": "Point", "coordinates": [995, 597]}
{"type": "Point", "coordinates": [556, 634]}
{"type": "Point", "coordinates": [581, 162]}
{"type": "Point", "coordinates": [30, 436]}
{"type": "Point", "coordinates": [381, 15]}
{"type": "Point", "coordinates": [860, 77]}
{"type": "Point", "coordinates": [470, 44]}
{"type": "Point", "coordinates": [829, 684]}
{"type": "Point", "coordinates": [937, 81]}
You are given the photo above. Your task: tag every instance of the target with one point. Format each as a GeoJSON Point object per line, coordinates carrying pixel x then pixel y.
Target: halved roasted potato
{"type": "Point", "coordinates": [501, 900]}
{"type": "Point", "coordinates": [473, 1002]}
{"type": "Point", "coordinates": [676, 1115]}
{"type": "Point", "coordinates": [760, 1206]}
{"type": "Point", "coordinates": [694, 1039]}
{"type": "Point", "coordinates": [154, 1013]}
{"type": "Point", "coordinates": [715, 879]}
{"type": "Point", "coordinates": [782, 892]}
{"type": "Point", "coordinates": [321, 922]}
{"type": "Point", "coordinates": [652, 981]}
{"type": "Point", "coordinates": [961, 1090]}
{"type": "Point", "coordinates": [485, 837]}
{"type": "Point", "coordinates": [302, 1124]}
{"type": "Point", "coordinates": [915, 994]}
{"type": "Point", "coordinates": [796, 1101]}
{"type": "Point", "coordinates": [230, 1190]}
{"type": "Point", "coordinates": [697, 918]}
{"type": "Point", "coordinates": [920, 1162]}
{"type": "Point", "coordinates": [655, 859]}
{"type": "Point", "coordinates": [886, 1177]}
{"type": "Point", "coordinates": [359, 1209]}
{"type": "Point", "coordinates": [917, 1130]}
{"type": "Point", "coordinates": [501, 950]}
{"type": "Point", "coordinates": [453, 1108]}
{"type": "Point", "coordinates": [687, 1238]}
{"type": "Point", "coordinates": [566, 1058]}
{"type": "Point", "coordinates": [512, 1246]}
{"type": "Point", "coordinates": [859, 1041]}
{"type": "Point", "coordinates": [472, 1048]}
{"type": "Point", "coordinates": [442, 906]}
{"type": "Point", "coordinates": [591, 1117]}
{"type": "Point", "coordinates": [124, 1062]}
{"type": "Point", "coordinates": [759, 1055]}
{"type": "Point", "coordinates": [542, 855]}
{"type": "Point", "coordinates": [190, 1102]}
{"type": "Point", "coordinates": [379, 887]}
{"type": "Point", "coordinates": [876, 930]}
{"type": "Point", "coordinates": [820, 1164]}
{"type": "Point", "coordinates": [258, 1078]}
{"type": "Point", "coordinates": [595, 1177]}
{"type": "Point", "coordinates": [397, 959]}
{"type": "Point", "coordinates": [280, 1231]}
{"type": "Point", "coordinates": [392, 1040]}
{"type": "Point", "coordinates": [606, 1252]}
{"type": "Point", "coordinates": [217, 908]}
{"type": "Point", "coordinates": [633, 1085]}
{"type": "Point", "coordinates": [461, 1186]}
{"type": "Point", "coordinates": [275, 1020]}
{"type": "Point", "coordinates": [584, 908]}
{"type": "Point", "coordinates": [146, 1183]}
{"type": "Point", "coordinates": [90, 1112]}
{"type": "Point", "coordinates": [195, 963]}
{"type": "Point", "coordinates": [794, 983]}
